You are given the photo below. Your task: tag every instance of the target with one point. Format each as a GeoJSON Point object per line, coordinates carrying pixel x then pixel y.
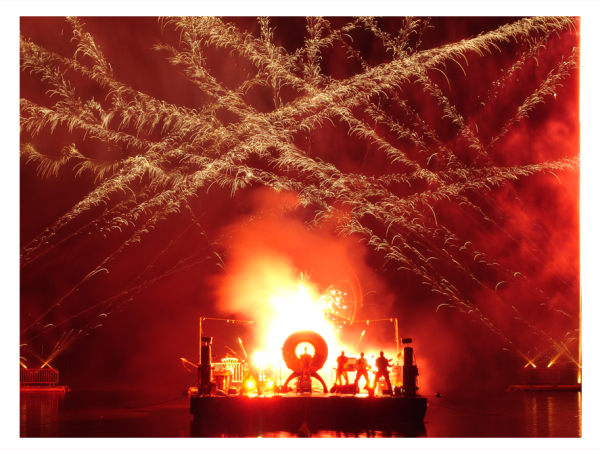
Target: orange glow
{"type": "Point", "coordinates": [292, 305]}
{"type": "Point", "coordinates": [267, 288]}
{"type": "Point", "coordinates": [249, 384]}
{"type": "Point", "coordinates": [24, 366]}
{"type": "Point", "coordinates": [270, 384]}
{"type": "Point", "coordinates": [259, 358]}
{"type": "Point", "coordinates": [305, 345]}
{"type": "Point", "coordinates": [295, 306]}
{"type": "Point", "coordinates": [264, 285]}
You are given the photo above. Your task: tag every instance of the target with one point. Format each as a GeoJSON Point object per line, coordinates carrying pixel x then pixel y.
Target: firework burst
{"type": "Point", "coordinates": [402, 142]}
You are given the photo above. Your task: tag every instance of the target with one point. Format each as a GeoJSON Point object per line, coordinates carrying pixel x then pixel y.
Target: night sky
{"type": "Point", "coordinates": [138, 313]}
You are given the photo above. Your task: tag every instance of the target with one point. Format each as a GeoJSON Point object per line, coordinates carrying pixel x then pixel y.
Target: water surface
{"type": "Point", "coordinates": [98, 414]}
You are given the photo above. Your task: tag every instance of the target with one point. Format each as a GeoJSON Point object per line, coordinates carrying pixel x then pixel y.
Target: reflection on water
{"type": "Point", "coordinates": [39, 413]}
{"type": "Point", "coordinates": [512, 414]}
{"type": "Point", "coordinates": [135, 414]}
{"type": "Point", "coordinates": [535, 415]}
{"type": "Point", "coordinates": [235, 429]}
{"type": "Point", "coordinates": [551, 412]}
{"type": "Point", "coordinates": [555, 414]}
{"type": "Point", "coordinates": [579, 413]}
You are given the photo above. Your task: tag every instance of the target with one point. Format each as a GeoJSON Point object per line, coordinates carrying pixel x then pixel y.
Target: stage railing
{"type": "Point", "coordinates": [539, 376]}
{"type": "Point", "coordinates": [39, 376]}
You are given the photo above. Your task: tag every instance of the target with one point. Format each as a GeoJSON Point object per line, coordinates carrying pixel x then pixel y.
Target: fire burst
{"type": "Point", "coordinates": [299, 309]}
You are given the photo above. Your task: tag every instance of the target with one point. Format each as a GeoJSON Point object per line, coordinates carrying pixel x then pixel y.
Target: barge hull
{"type": "Point", "coordinates": [317, 411]}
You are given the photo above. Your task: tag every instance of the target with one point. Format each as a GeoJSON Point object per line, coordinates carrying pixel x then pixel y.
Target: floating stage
{"type": "Point", "coordinates": [40, 380]}
{"type": "Point", "coordinates": [317, 411]}
{"type": "Point", "coordinates": [547, 379]}
{"type": "Point", "coordinates": [44, 389]}
{"type": "Point", "coordinates": [246, 413]}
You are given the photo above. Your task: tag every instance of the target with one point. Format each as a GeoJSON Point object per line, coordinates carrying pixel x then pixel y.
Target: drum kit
{"type": "Point", "coordinates": [223, 378]}
{"type": "Point", "coordinates": [250, 379]}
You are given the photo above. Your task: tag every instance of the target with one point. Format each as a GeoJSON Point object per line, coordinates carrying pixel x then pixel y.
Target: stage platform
{"type": "Point", "coordinates": [34, 388]}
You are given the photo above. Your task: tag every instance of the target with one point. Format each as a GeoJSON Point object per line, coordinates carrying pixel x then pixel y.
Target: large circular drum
{"type": "Point", "coordinates": [290, 350]}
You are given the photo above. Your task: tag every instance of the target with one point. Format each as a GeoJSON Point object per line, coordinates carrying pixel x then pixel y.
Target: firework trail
{"type": "Point", "coordinates": [417, 153]}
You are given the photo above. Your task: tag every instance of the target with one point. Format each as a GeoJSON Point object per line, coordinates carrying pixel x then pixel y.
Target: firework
{"type": "Point", "coordinates": [413, 157]}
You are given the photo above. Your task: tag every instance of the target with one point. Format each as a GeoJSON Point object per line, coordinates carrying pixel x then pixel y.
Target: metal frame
{"type": "Point", "coordinates": [39, 376]}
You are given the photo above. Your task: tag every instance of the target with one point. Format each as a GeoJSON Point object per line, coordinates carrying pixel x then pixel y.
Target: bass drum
{"type": "Point", "coordinates": [299, 337]}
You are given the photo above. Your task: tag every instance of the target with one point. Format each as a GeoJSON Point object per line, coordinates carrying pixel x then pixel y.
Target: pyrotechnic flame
{"type": "Point", "coordinates": [259, 358]}
{"type": "Point", "coordinates": [299, 308]}
{"type": "Point", "coordinates": [243, 349]}
{"type": "Point", "coordinates": [185, 361]}
{"type": "Point", "coordinates": [360, 338]}
{"type": "Point", "coordinates": [553, 360]}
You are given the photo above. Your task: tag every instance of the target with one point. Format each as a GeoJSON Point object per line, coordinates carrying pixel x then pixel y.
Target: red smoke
{"type": "Point", "coordinates": [276, 244]}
